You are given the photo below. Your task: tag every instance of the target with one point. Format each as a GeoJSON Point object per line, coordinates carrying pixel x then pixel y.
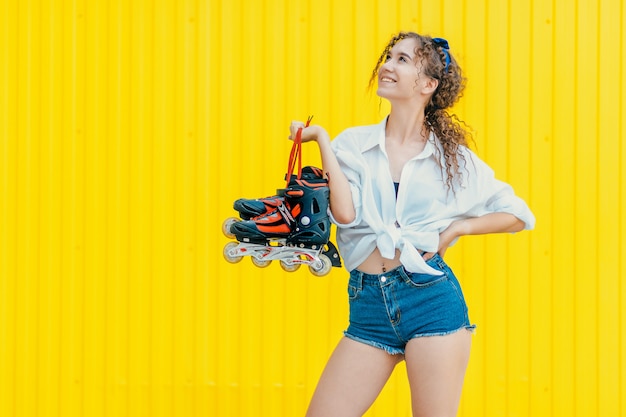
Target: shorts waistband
{"type": "Point", "coordinates": [381, 279]}
{"type": "Point", "coordinates": [394, 274]}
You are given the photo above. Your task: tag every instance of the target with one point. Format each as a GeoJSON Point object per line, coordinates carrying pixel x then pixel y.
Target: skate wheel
{"type": "Point", "coordinates": [226, 227]}
{"type": "Point", "coordinates": [227, 249]}
{"type": "Point", "coordinates": [289, 268]}
{"type": "Point", "coordinates": [260, 263]}
{"type": "Point", "coordinates": [322, 266]}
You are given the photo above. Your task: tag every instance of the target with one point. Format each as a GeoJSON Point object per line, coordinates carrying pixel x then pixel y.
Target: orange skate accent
{"type": "Point", "coordinates": [278, 221]}
{"type": "Point", "coordinates": [316, 184]}
{"type": "Point", "coordinates": [271, 203]}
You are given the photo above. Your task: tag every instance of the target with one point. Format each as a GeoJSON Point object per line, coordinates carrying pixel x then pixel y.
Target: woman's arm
{"type": "Point", "coordinates": [489, 223]}
{"type": "Point", "coordinates": [340, 195]}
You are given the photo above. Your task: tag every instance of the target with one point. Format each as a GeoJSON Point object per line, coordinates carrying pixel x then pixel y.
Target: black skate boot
{"type": "Point", "coordinates": [297, 232]}
{"type": "Point", "coordinates": [249, 208]}
{"type": "Point", "coordinates": [301, 218]}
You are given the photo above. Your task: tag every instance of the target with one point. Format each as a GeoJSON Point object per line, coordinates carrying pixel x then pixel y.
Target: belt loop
{"type": "Point", "coordinates": [442, 264]}
{"type": "Point", "coordinates": [356, 279]}
{"type": "Point", "coordinates": [360, 281]}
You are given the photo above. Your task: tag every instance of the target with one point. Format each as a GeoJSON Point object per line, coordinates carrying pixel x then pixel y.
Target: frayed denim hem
{"type": "Point", "coordinates": [390, 350]}
{"type": "Point", "coordinates": [399, 351]}
{"type": "Point", "coordinates": [470, 328]}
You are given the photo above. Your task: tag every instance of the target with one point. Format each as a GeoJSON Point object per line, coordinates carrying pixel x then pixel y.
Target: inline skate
{"type": "Point", "coordinates": [292, 227]}
{"type": "Point", "coordinates": [249, 208]}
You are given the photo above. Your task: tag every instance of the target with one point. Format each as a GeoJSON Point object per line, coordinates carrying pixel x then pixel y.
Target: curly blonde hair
{"type": "Point", "coordinates": [448, 128]}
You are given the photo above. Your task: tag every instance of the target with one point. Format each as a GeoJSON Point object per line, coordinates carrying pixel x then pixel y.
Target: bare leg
{"type": "Point", "coordinates": [354, 376]}
{"type": "Point", "coordinates": [436, 368]}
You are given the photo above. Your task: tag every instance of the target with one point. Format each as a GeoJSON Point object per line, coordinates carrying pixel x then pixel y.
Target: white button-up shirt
{"type": "Point", "coordinates": [424, 206]}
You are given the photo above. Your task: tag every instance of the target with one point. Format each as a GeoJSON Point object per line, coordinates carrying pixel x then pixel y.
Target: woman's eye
{"type": "Point", "coordinates": [387, 58]}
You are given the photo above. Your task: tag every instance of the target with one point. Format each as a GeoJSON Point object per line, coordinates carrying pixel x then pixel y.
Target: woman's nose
{"type": "Point", "coordinates": [387, 65]}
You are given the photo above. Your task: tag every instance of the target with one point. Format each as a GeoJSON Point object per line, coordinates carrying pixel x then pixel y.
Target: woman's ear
{"type": "Point", "coordinates": [431, 85]}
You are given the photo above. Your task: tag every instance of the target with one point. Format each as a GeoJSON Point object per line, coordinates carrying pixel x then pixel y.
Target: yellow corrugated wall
{"type": "Point", "coordinates": [127, 129]}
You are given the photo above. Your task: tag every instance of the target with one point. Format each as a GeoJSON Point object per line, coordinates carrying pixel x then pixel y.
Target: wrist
{"type": "Point", "coordinates": [462, 228]}
{"type": "Point", "coordinates": [320, 134]}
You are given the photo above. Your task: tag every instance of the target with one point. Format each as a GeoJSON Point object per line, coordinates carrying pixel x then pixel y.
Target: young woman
{"type": "Point", "coordinates": [401, 192]}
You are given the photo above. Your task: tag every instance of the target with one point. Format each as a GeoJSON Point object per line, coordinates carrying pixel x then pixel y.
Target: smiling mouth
{"type": "Point", "coordinates": [387, 80]}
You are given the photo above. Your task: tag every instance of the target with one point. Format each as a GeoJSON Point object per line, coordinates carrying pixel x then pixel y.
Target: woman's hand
{"type": "Point", "coordinates": [310, 133]}
{"type": "Point", "coordinates": [453, 231]}
{"type": "Point", "coordinates": [445, 239]}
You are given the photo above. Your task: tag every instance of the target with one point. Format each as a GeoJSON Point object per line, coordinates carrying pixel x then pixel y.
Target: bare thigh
{"type": "Point", "coordinates": [436, 368]}
{"type": "Point", "coordinates": [352, 379]}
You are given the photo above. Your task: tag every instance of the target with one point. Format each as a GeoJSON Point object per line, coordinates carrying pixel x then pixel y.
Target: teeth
{"type": "Point", "coordinates": [387, 80]}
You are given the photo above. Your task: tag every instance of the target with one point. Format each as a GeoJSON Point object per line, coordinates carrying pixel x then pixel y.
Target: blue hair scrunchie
{"type": "Point", "coordinates": [446, 51]}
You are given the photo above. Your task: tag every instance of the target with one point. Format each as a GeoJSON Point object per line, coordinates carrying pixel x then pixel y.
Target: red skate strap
{"type": "Point", "coordinates": [296, 153]}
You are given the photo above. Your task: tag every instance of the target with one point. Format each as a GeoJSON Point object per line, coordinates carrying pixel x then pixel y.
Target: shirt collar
{"type": "Point", "coordinates": [429, 148]}
{"type": "Point", "coordinates": [377, 138]}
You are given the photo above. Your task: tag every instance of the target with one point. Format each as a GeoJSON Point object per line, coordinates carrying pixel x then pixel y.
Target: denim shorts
{"type": "Point", "coordinates": [389, 309]}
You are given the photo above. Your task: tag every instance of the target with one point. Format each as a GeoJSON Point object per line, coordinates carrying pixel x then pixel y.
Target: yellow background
{"type": "Point", "coordinates": [128, 128]}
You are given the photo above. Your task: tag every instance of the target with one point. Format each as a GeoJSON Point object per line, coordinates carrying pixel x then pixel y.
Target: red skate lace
{"type": "Point", "coordinates": [296, 153]}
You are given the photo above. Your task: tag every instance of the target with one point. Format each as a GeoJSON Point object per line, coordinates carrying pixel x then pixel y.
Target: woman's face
{"type": "Point", "coordinates": [399, 75]}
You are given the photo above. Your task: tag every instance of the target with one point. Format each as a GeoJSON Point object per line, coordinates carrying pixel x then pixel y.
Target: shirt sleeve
{"type": "Point", "coordinates": [351, 167]}
{"type": "Point", "coordinates": [495, 196]}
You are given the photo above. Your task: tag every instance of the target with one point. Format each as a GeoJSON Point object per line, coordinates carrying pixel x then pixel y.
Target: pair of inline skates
{"type": "Point", "coordinates": [292, 226]}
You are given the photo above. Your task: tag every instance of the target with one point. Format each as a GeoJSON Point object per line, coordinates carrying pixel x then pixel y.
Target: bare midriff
{"type": "Point", "coordinates": [376, 264]}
